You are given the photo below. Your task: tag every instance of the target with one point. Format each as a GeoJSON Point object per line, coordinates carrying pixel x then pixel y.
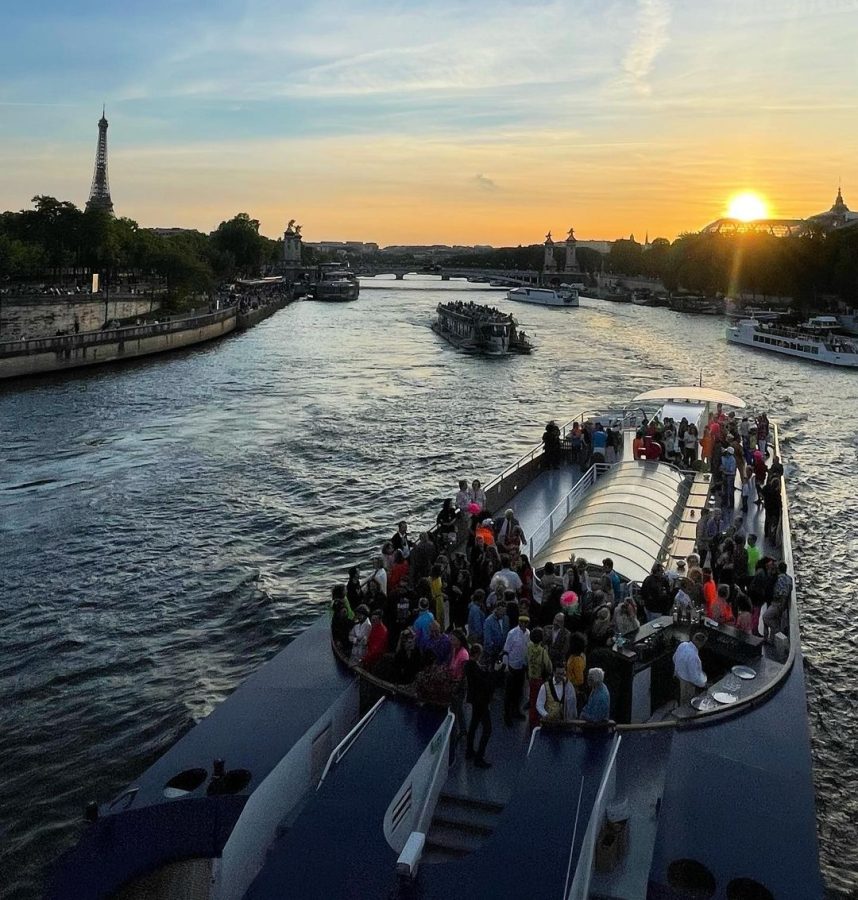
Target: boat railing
{"type": "Point", "coordinates": [409, 858]}
{"type": "Point", "coordinates": [579, 888]}
{"type": "Point", "coordinates": [545, 530]}
{"type": "Point", "coordinates": [346, 743]}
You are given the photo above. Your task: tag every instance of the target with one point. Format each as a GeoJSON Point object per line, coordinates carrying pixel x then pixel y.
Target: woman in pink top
{"type": "Point", "coordinates": [458, 654]}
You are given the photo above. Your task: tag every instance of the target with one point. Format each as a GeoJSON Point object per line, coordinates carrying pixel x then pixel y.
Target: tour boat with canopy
{"type": "Point", "coordinates": [318, 779]}
{"type": "Point", "coordinates": [816, 342]}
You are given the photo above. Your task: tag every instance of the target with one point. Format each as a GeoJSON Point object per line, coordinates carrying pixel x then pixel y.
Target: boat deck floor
{"type": "Point", "coordinates": [534, 504]}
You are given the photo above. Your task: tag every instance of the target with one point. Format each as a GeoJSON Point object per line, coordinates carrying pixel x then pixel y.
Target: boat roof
{"type": "Point", "coordinates": [627, 516]}
{"type": "Point", "coordinates": [691, 394]}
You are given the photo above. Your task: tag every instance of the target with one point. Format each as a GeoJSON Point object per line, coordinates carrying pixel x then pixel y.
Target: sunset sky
{"type": "Point", "coordinates": [450, 122]}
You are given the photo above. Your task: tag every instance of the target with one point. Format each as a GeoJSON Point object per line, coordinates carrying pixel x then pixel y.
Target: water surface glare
{"type": "Point", "coordinates": [167, 526]}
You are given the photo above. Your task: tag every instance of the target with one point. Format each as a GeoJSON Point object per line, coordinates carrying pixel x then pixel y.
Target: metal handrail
{"type": "Point", "coordinates": [345, 744]}
{"type": "Point", "coordinates": [449, 722]}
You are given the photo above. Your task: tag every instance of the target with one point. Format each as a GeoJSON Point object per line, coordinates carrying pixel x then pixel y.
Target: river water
{"type": "Point", "coordinates": [167, 526]}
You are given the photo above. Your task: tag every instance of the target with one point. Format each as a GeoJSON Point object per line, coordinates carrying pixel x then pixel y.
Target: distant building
{"type": "Point", "coordinates": [347, 246]}
{"type": "Point", "coordinates": [839, 216]}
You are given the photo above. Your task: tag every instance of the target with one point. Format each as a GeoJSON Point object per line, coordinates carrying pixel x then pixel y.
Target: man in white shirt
{"type": "Point", "coordinates": [556, 701]}
{"type": "Point", "coordinates": [515, 657]}
{"type": "Point", "coordinates": [688, 668]}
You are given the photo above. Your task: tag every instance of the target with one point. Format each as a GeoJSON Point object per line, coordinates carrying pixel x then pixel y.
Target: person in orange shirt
{"type": "Point", "coordinates": [486, 531]}
{"type": "Point", "coordinates": [721, 611]}
{"type": "Point", "coordinates": [710, 592]}
{"type": "Point", "coordinates": [638, 445]}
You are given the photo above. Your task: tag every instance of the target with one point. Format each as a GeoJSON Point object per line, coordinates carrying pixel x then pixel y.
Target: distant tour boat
{"type": "Point", "coordinates": [480, 329]}
{"type": "Point", "coordinates": [336, 283]}
{"type": "Point", "coordinates": [813, 341]}
{"type": "Point", "coordinates": [563, 296]}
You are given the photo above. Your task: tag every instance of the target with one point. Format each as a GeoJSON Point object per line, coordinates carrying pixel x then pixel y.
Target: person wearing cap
{"type": "Point", "coordinates": [515, 657]}
{"type": "Point", "coordinates": [675, 575]}
{"type": "Point", "coordinates": [598, 705]}
{"type": "Point", "coordinates": [688, 668]}
{"type": "Point", "coordinates": [556, 700]}
{"type": "Point", "coordinates": [728, 472]}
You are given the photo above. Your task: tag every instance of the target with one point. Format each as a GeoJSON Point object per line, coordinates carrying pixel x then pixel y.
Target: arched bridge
{"type": "Point", "coordinates": [477, 276]}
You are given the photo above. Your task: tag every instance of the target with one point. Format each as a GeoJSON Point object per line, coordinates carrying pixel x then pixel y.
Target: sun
{"type": "Point", "coordinates": [747, 206]}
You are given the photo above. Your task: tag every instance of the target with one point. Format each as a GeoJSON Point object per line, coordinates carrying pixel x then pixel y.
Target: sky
{"type": "Point", "coordinates": [478, 121]}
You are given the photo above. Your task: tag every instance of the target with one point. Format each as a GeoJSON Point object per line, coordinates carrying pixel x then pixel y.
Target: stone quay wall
{"type": "Point", "coordinates": [42, 315]}
{"type": "Point", "coordinates": [53, 354]}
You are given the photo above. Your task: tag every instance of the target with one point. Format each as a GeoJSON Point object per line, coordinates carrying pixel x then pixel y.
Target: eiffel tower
{"type": "Point", "coordinates": [99, 193]}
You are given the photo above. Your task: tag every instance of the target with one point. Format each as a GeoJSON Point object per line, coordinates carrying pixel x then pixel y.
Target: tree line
{"type": "Point", "coordinates": [814, 268]}
{"type": "Point", "coordinates": [57, 243]}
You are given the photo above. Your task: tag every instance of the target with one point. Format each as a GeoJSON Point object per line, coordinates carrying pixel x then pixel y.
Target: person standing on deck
{"type": "Point", "coordinates": [688, 668]}
{"type": "Point", "coordinates": [556, 701]}
{"type": "Point", "coordinates": [598, 706]}
{"type": "Point", "coordinates": [481, 683]}
{"type": "Point", "coordinates": [728, 473]}
{"type": "Point", "coordinates": [510, 536]}
{"type": "Point", "coordinates": [515, 656]}
{"type": "Point", "coordinates": [539, 669]}
{"type": "Point", "coordinates": [478, 496]}
{"type": "Point", "coordinates": [462, 501]}
{"type": "Point", "coordinates": [401, 540]}
{"type": "Point", "coordinates": [495, 631]}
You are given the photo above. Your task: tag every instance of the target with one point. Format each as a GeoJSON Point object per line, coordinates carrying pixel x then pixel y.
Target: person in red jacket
{"type": "Point", "coordinates": [376, 644]}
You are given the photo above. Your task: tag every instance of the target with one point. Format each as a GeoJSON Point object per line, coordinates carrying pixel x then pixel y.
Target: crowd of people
{"type": "Point", "coordinates": [457, 614]}
{"type": "Point", "coordinates": [477, 311]}
{"type": "Point", "coordinates": [583, 444]}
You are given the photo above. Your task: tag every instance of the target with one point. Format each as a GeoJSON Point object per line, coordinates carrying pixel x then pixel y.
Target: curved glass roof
{"type": "Point", "coordinates": [627, 516]}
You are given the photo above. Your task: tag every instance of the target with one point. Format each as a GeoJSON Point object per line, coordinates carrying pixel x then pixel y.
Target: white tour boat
{"type": "Point", "coordinates": [806, 342]}
{"type": "Point", "coordinates": [563, 296]}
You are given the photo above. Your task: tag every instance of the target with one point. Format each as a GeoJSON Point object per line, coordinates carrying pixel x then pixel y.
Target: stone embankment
{"type": "Point", "coordinates": [71, 351]}
{"type": "Point", "coordinates": [44, 315]}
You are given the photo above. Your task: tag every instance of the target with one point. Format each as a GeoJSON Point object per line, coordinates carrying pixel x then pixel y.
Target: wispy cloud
{"type": "Point", "coordinates": [653, 21]}
{"type": "Point", "coordinates": [484, 183]}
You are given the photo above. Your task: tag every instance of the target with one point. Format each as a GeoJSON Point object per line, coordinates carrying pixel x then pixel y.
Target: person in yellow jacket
{"type": "Point", "coordinates": [539, 669]}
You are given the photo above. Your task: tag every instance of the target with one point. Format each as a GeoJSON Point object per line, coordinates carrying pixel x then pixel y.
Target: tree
{"type": "Point", "coordinates": [240, 237]}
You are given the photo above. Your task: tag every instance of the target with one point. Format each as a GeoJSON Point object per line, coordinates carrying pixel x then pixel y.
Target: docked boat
{"type": "Point", "coordinates": [814, 342]}
{"type": "Point", "coordinates": [480, 329]}
{"type": "Point", "coordinates": [335, 283]}
{"type": "Point", "coordinates": [696, 304]}
{"type": "Point", "coordinates": [563, 296]}
{"type": "Point", "coordinates": [317, 779]}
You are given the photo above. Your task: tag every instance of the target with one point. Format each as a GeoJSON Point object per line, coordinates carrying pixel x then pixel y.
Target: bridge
{"type": "Point", "coordinates": [505, 277]}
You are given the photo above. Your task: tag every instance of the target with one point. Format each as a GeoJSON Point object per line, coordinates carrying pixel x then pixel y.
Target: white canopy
{"type": "Point", "coordinates": [628, 515]}
{"type": "Point", "coordinates": [692, 394]}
